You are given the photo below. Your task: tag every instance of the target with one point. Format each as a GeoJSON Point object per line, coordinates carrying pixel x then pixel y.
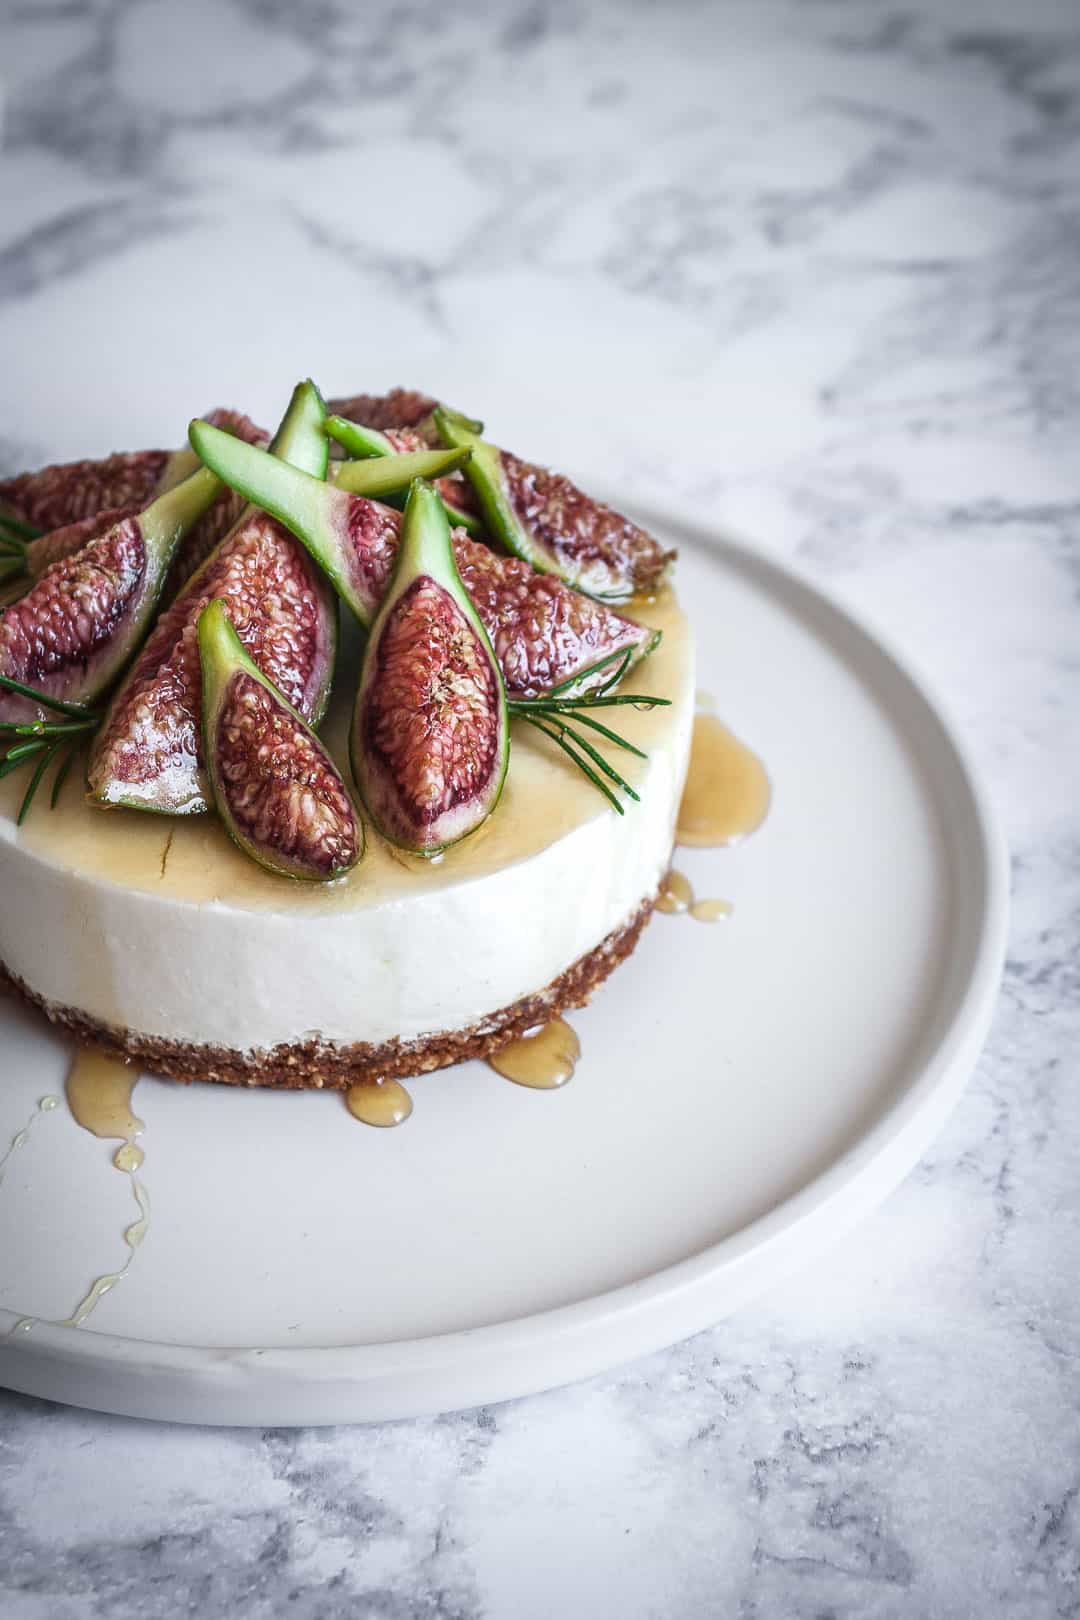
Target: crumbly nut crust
{"type": "Point", "coordinates": [315, 1064]}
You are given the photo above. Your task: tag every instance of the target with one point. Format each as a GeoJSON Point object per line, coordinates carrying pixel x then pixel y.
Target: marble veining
{"type": "Point", "coordinates": [813, 267]}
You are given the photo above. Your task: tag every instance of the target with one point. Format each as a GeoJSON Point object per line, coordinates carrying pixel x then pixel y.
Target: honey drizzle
{"type": "Point", "coordinates": [710, 911]}
{"type": "Point", "coordinates": [675, 895]}
{"type": "Point", "coordinates": [45, 1106]}
{"type": "Point", "coordinates": [382, 1103]}
{"type": "Point", "coordinates": [727, 793]}
{"type": "Point", "coordinates": [543, 1059]}
{"type": "Point", "coordinates": [677, 898]}
{"type": "Point", "coordinates": [99, 1096]}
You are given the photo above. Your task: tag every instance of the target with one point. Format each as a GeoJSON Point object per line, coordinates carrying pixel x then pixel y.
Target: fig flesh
{"type": "Point", "coordinates": [147, 754]}
{"type": "Point", "coordinates": [82, 484]}
{"type": "Point", "coordinates": [430, 736]}
{"type": "Point", "coordinates": [544, 633]}
{"type": "Point", "coordinates": [62, 494]}
{"type": "Point", "coordinates": [64, 542]}
{"type": "Point", "coordinates": [274, 785]}
{"type": "Point", "coordinates": [67, 492]}
{"type": "Point", "coordinates": [545, 519]}
{"type": "Point", "coordinates": [73, 632]}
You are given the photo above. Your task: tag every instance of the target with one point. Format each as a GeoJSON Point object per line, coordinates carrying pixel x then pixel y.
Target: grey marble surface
{"type": "Point", "coordinates": [817, 267]}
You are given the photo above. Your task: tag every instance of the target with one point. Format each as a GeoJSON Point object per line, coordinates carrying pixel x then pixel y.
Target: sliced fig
{"type": "Point", "coordinates": [430, 737]}
{"type": "Point", "coordinates": [365, 443]}
{"type": "Point", "coordinates": [544, 633]}
{"type": "Point", "coordinates": [62, 494]}
{"type": "Point", "coordinates": [51, 498]}
{"type": "Point", "coordinates": [78, 487]}
{"type": "Point", "coordinates": [225, 512]}
{"type": "Point", "coordinates": [274, 785]}
{"type": "Point", "coordinates": [147, 754]}
{"type": "Point", "coordinates": [545, 519]}
{"type": "Point", "coordinates": [50, 548]}
{"type": "Point", "coordinates": [79, 624]}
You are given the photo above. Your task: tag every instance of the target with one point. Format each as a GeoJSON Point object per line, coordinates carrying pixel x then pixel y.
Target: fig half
{"type": "Point", "coordinates": [544, 633]}
{"type": "Point", "coordinates": [81, 621]}
{"type": "Point", "coordinates": [147, 754]}
{"type": "Point", "coordinates": [545, 519]}
{"type": "Point", "coordinates": [274, 785]}
{"type": "Point", "coordinates": [71, 537]}
{"type": "Point", "coordinates": [79, 486]}
{"type": "Point", "coordinates": [61, 494]}
{"type": "Point", "coordinates": [430, 737]}
{"type": "Point", "coordinates": [36, 503]}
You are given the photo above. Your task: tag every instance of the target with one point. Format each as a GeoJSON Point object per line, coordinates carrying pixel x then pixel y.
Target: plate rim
{"type": "Point", "coordinates": [545, 1349]}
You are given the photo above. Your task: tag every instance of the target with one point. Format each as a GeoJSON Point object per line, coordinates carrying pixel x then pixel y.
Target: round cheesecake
{"type": "Point", "coordinates": [158, 939]}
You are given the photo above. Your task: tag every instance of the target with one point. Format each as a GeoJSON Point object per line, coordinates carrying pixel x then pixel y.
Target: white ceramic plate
{"type": "Point", "coordinates": [746, 1092]}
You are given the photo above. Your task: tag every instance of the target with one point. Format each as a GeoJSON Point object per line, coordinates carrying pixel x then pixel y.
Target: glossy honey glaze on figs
{"type": "Point", "coordinates": [76, 628]}
{"type": "Point", "coordinates": [274, 784]}
{"type": "Point", "coordinates": [430, 737]}
{"type": "Point", "coordinates": [544, 633]}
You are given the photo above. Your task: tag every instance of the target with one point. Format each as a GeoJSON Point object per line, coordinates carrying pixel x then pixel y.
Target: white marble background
{"type": "Point", "coordinates": [816, 268]}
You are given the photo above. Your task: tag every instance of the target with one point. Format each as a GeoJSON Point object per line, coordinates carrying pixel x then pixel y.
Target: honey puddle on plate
{"type": "Point", "coordinates": [543, 1059]}
{"type": "Point", "coordinates": [379, 1102]}
{"type": "Point", "coordinates": [98, 1094]}
{"type": "Point", "coordinates": [676, 897]}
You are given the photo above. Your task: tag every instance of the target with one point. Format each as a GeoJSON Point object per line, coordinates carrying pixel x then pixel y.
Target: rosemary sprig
{"type": "Point", "coordinates": [79, 711]}
{"type": "Point", "coordinates": [39, 743]}
{"type": "Point", "coordinates": [16, 526]}
{"type": "Point", "coordinates": [47, 757]}
{"type": "Point", "coordinates": [548, 715]}
{"type": "Point", "coordinates": [561, 738]}
{"type": "Point", "coordinates": [620, 658]}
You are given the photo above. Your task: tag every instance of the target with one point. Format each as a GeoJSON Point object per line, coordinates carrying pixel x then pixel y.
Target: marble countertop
{"type": "Point", "coordinates": [821, 260]}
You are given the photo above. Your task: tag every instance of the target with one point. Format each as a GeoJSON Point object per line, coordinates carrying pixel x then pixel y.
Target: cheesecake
{"type": "Point", "coordinates": [156, 939]}
{"type": "Point", "coordinates": [305, 854]}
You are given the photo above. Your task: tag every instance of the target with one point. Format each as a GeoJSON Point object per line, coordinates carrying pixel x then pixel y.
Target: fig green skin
{"type": "Point", "coordinates": [301, 441]}
{"type": "Point", "coordinates": [425, 553]}
{"type": "Point", "coordinates": [350, 539]}
{"type": "Point", "coordinates": [316, 513]}
{"type": "Point", "coordinates": [367, 443]}
{"type": "Point", "coordinates": [222, 657]}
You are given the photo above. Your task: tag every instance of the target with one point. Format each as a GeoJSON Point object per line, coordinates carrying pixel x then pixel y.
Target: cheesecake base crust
{"type": "Point", "coordinates": [320, 1065]}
